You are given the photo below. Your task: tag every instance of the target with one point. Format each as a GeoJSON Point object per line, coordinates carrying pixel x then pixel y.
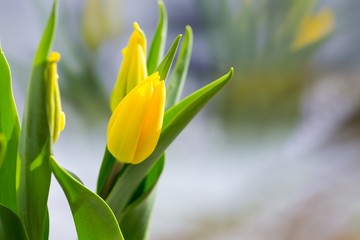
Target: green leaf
{"type": "Point", "coordinates": [11, 226]}
{"type": "Point", "coordinates": [93, 218]}
{"type": "Point", "coordinates": [9, 134]}
{"type": "Point", "coordinates": [175, 120]}
{"type": "Point", "coordinates": [35, 142]}
{"type": "Point", "coordinates": [106, 167]}
{"type": "Point", "coordinates": [158, 43]}
{"type": "Point", "coordinates": [178, 77]}
{"type": "Point", "coordinates": [136, 217]}
{"type": "Point", "coordinates": [3, 143]}
{"type": "Point", "coordinates": [165, 64]}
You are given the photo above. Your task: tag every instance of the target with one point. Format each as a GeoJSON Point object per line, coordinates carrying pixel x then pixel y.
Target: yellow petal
{"type": "Point", "coordinates": [135, 125]}
{"type": "Point", "coordinates": [151, 129]}
{"type": "Point", "coordinates": [55, 114]}
{"type": "Point", "coordinates": [126, 123]}
{"type": "Point", "coordinates": [133, 68]}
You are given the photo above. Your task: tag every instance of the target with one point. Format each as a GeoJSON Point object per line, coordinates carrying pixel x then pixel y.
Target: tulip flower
{"type": "Point", "coordinates": [133, 68]}
{"type": "Point", "coordinates": [55, 114]}
{"type": "Point", "coordinates": [135, 125]}
{"type": "Point", "coordinates": [313, 28]}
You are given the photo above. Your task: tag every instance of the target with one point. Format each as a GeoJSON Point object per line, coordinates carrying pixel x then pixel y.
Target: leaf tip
{"type": "Point", "coordinates": [230, 74]}
{"type": "Point", "coordinates": [160, 3]}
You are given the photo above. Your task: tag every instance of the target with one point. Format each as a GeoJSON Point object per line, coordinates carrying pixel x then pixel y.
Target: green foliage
{"type": "Point", "coordinates": [35, 143]}
{"type": "Point", "coordinates": [11, 226]}
{"type": "Point", "coordinates": [9, 134]}
{"type": "Point", "coordinates": [165, 64]}
{"type": "Point", "coordinates": [105, 170]}
{"type": "Point", "coordinates": [136, 217]}
{"type": "Point", "coordinates": [93, 218]}
{"type": "Point", "coordinates": [178, 77]}
{"type": "Point", "coordinates": [3, 144]}
{"type": "Point", "coordinates": [158, 43]}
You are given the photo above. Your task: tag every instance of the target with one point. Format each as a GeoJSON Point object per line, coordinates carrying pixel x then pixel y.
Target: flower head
{"type": "Point", "coordinates": [313, 28]}
{"type": "Point", "coordinates": [133, 68]}
{"type": "Point", "coordinates": [135, 125]}
{"type": "Point", "coordinates": [55, 114]}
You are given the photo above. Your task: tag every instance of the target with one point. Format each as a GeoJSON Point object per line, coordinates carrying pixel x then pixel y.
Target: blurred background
{"type": "Point", "coordinates": [276, 155]}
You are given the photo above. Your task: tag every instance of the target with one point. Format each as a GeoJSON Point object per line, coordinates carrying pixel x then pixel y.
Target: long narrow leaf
{"type": "Point", "coordinates": [178, 77]}
{"type": "Point", "coordinates": [93, 218]}
{"type": "Point", "coordinates": [35, 143]}
{"type": "Point", "coordinates": [158, 43]}
{"type": "Point", "coordinates": [9, 132]}
{"type": "Point", "coordinates": [11, 226]}
{"type": "Point", "coordinates": [135, 220]}
{"type": "Point", "coordinates": [165, 64]}
{"type": "Point", "coordinates": [175, 120]}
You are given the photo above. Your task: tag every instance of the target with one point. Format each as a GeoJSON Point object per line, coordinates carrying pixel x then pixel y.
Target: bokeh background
{"type": "Point", "coordinates": [276, 155]}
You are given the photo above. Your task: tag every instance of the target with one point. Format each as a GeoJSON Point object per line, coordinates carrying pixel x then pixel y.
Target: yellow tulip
{"type": "Point", "coordinates": [313, 28]}
{"type": "Point", "coordinates": [133, 68]}
{"type": "Point", "coordinates": [135, 125]}
{"type": "Point", "coordinates": [55, 114]}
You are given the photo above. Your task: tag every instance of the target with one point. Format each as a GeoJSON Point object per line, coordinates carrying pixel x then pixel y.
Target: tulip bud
{"type": "Point", "coordinates": [313, 28]}
{"type": "Point", "coordinates": [133, 68]}
{"type": "Point", "coordinates": [135, 125]}
{"type": "Point", "coordinates": [55, 114]}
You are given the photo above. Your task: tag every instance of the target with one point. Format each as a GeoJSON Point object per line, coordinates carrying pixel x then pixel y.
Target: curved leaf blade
{"type": "Point", "coordinates": [178, 77]}
{"type": "Point", "coordinates": [175, 120]}
{"type": "Point", "coordinates": [158, 43]}
{"type": "Point", "coordinates": [135, 220]}
{"type": "Point", "coordinates": [92, 216]}
{"type": "Point", "coordinates": [9, 133]}
{"type": "Point", "coordinates": [35, 142]}
{"type": "Point", "coordinates": [11, 226]}
{"type": "Point", "coordinates": [165, 64]}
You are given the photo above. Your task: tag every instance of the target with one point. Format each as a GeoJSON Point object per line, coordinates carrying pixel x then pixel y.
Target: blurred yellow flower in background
{"type": "Point", "coordinates": [313, 28]}
{"type": "Point", "coordinates": [133, 68]}
{"type": "Point", "coordinates": [100, 21]}
{"type": "Point", "coordinates": [135, 125]}
{"type": "Point", "coordinates": [55, 113]}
